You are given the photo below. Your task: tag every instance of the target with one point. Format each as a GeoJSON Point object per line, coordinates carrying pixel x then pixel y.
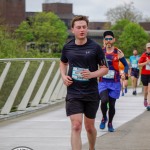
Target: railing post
{"type": "Point", "coordinates": [50, 90]}
{"type": "Point", "coordinates": [4, 73]}
{"type": "Point", "coordinates": [39, 93]}
{"type": "Point", "coordinates": [55, 92]}
{"type": "Point", "coordinates": [26, 98]}
{"type": "Point", "coordinates": [9, 103]}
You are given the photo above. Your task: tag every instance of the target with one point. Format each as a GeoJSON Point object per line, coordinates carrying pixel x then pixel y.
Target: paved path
{"type": "Point", "coordinates": [133, 135]}
{"type": "Point", "coordinates": [50, 129]}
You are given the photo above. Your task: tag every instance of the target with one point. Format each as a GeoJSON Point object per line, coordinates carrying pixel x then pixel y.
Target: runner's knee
{"type": "Point", "coordinates": [77, 126]}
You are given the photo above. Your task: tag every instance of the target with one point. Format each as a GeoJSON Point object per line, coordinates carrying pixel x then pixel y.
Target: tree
{"type": "Point", "coordinates": [120, 24]}
{"type": "Point", "coordinates": [118, 28]}
{"type": "Point", "coordinates": [43, 28]}
{"type": "Point", "coordinates": [126, 11]}
{"type": "Point", "coordinates": [10, 47]}
{"type": "Point", "coordinates": [25, 32]}
{"type": "Point", "coordinates": [133, 37]}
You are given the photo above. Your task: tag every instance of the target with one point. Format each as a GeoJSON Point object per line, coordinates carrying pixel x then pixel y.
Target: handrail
{"type": "Point", "coordinates": [27, 59]}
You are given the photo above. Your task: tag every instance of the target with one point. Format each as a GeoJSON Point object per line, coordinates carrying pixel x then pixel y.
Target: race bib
{"type": "Point", "coordinates": [134, 64]}
{"type": "Point", "coordinates": [109, 75]}
{"type": "Point", "coordinates": [76, 74]}
{"type": "Point", "coordinates": [148, 66]}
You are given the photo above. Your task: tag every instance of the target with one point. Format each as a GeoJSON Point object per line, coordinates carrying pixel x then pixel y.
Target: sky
{"type": "Point", "coordinates": [95, 9]}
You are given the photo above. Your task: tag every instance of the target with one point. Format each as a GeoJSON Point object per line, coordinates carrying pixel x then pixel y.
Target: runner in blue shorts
{"type": "Point", "coordinates": [134, 70]}
{"type": "Point", "coordinates": [109, 85]}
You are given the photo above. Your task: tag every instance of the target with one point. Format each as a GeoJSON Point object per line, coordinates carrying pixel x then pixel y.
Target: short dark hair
{"type": "Point", "coordinates": [78, 18]}
{"type": "Point", "coordinates": [108, 33]}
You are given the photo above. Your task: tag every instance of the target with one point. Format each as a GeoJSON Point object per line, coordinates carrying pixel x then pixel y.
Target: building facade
{"type": "Point", "coordinates": [63, 10]}
{"type": "Point", "coordinates": [12, 12]}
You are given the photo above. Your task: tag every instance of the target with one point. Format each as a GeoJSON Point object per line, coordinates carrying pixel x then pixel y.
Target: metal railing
{"type": "Point", "coordinates": [45, 86]}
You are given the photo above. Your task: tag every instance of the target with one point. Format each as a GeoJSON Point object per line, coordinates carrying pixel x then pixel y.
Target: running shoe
{"type": "Point", "coordinates": [148, 108]}
{"type": "Point", "coordinates": [122, 94]}
{"type": "Point", "coordinates": [110, 127]}
{"type": "Point", "coordinates": [126, 90]}
{"type": "Point", "coordinates": [145, 102]}
{"type": "Point", "coordinates": [103, 123]}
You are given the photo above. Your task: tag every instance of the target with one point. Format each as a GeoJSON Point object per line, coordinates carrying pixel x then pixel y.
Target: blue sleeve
{"type": "Point", "coordinates": [126, 66]}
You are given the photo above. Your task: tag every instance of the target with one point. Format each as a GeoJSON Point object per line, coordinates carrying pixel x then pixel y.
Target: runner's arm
{"type": "Point", "coordinates": [143, 63]}
{"type": "Point", "coordinates": [103, 70]}
{"type": "Point", "coordinates": [100, 72]}
{"type": "Point", "coordinates": [103, 65]}
{"type": "Point", "coordinates": [63, 70]}
{"type": "Point", "coordinates": [126, 66]}
{"type": "Point", "coordinates": [123, 60]}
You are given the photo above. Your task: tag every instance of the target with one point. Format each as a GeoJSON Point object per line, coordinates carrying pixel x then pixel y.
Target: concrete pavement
{"type": "Point", "coordinates": [133, 135]}
{"type": "Point", "coordinates": [49, 129]}
{"type": "Point", "coordinates": [132, 123]}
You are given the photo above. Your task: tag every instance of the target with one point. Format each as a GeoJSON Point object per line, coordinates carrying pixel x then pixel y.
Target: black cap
{"type": "Point", "coordinates": [108, 33]}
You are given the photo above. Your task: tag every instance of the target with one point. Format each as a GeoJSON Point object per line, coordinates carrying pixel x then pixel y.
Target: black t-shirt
{"type": "Point", "coordinates": [87, 56]}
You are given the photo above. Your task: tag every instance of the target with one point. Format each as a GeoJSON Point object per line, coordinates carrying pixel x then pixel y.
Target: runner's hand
{"type": "Point", "coordinates": [122, 76]}
{"type": "Point", "coordinates": [67, 80]}
{"type": "Point", "coordinates": [86, 74]}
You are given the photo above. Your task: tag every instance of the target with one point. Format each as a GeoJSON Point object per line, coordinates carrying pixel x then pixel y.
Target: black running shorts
{"type": "Point", "coordinates": [145, 79]}
{"type": "Point", "coordinates": [135, 72]}
{"type": "Point", "coordinates": [79, 105]}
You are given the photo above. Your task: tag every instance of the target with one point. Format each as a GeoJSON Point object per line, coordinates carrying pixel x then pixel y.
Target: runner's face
{"type": "Point", "coordinates": [109, 41]}
{"type": "Point", "coordinates": [148, 49]}
{"type": "Point", "coordinates": [80, 29]}
{"type": "Point", "coordinates": [135, 52]}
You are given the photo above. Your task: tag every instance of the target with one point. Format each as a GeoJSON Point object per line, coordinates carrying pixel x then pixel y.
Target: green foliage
{"type": "Point", "coordinates": [118, 28]}
{"type": "Point", "coordinates": [129, 36]}
{"type": "Point", "coordinates": [10, 47]}
{"type": "Point", "coordinates": [24, 32]}
{"type": "Point", "coordinates": [133, 37]}
{"type": "Point", "coordinates": [43, 28]}
{"type": "Point", "coordinates": [120, 24]}
{"type": "Point", "coordinates": [33, 53]}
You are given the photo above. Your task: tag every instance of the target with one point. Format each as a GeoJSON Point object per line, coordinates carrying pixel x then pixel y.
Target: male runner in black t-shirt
{"type": "Point", "coordinates": [84, 58]}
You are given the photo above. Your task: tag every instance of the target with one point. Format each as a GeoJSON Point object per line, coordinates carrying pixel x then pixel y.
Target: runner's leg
{"type": "Point", "coordinates": [91, 131]}
{"type": "Point", "coordinates": [112, 102]}
{"type": "Point", "coordinates": [76, 127]}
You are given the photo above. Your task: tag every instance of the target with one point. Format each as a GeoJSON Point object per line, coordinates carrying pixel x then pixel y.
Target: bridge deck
{"type": "Point", "coordinates": [49, 129]}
